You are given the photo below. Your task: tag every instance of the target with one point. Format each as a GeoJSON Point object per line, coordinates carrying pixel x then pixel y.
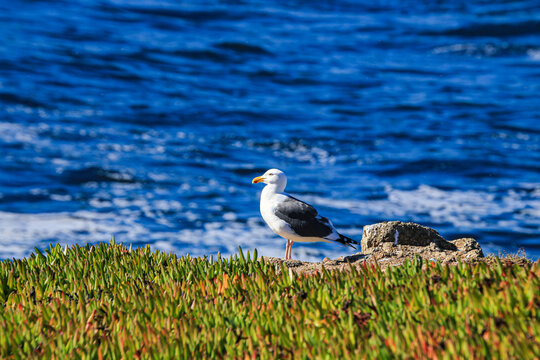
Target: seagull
{"type": "Point", "coordinates": [291, 218]}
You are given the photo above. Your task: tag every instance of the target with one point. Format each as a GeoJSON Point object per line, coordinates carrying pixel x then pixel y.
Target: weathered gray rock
{"type": "Point", "coordinates": [393, 233]}
{"type": "Point", "coordinates": [395, 240]}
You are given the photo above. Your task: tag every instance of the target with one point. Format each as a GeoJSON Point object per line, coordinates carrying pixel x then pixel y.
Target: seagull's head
{"type": "Point", "coordinates": [272, 176]}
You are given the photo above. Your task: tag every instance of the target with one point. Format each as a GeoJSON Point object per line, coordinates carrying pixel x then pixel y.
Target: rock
{"type": "Point", "coordinates": [292, 263]}
{"type": "Point", "coordinates": [391, 244]}
{"type": "Point", "coordinates": [393, 233]}
{"type": "Point", "coordinates": [469, 245]}
{"type": "Point", "coordinates": [398, 241]}
{"type": "Point", "coordinates": [355, 257]}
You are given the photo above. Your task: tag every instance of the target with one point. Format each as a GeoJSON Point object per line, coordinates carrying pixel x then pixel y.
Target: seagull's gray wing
{"type": "Point", "coordinates": [303, 218]}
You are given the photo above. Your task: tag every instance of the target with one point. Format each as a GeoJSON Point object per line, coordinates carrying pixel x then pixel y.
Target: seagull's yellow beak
{"type": "Point", "coordinates": [258, 179]}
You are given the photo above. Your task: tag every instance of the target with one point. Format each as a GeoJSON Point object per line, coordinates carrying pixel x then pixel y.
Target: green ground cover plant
{"type": "Point", "coordinates": [111, 302]}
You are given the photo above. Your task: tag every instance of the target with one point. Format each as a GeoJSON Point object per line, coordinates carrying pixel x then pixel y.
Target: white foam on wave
{"type": "Point", "coordinates": [469, 49]}
{"type": "Point", "coordinates": [487, 50]}
{"type": "Point", "coordinates": [16, 133]}
{"type": "Point", "coordinates": [464, 209]}
{"type": "Point", "coordinates": [534, 54]}
{"type": "Point", "coordinates": [226, 237]}
{"type": "Point", "coordinates": [298, 151]}
{"type": "Point", "coordinates": [22, 232]}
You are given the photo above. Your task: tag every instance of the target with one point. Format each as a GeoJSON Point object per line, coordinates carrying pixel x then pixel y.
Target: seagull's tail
{"type": "Point", "coordinates": [347, 241]}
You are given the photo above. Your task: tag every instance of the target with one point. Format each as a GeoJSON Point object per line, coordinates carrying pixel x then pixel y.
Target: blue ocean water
{"type": "Point", "coordinates": [148, 119]}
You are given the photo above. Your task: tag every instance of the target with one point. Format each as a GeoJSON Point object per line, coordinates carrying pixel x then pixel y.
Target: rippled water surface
{"type": "Point", "coordinates": [148, 120]}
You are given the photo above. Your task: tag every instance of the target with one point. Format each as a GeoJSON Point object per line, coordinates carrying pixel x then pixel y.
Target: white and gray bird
{"type": "Point", "coordinates": [294, 219]}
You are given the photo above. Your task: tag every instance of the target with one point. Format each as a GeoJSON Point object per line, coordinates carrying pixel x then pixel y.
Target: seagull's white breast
{"type": "Point", "coordinates": [268, 204]}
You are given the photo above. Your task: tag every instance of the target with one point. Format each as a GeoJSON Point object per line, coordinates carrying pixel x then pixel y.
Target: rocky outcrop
{"type": "Point", "coordinates": [395, 239]}
{"type": "Point", "coordinates": [392, 243]}
{"type": "Point", "coordinates": [399, 233]}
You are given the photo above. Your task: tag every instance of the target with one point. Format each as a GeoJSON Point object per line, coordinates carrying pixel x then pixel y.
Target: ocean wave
{"type": "Point", "coordinates": [242, 48]}
{"type": "Point", "coordinates": [15, 133]}
{"type": "Point", "coordinates": [501, 30]}
{"type": "Point", "coordinates": [463, 210]}
{"type": "Point", "coordinates": [20, 232]}
{"type": "Point", "coordinates": [487, 49]}
{"type": "Point", "coordinates": [94, 174]}
{"type": "Point", "coordinates": [207, 231]}
{"type": "Point", "coordinates": [298, 150]}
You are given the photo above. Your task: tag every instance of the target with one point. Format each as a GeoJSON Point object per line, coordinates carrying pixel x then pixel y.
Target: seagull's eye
{"type": "Point", "coordinates": [270, 174]}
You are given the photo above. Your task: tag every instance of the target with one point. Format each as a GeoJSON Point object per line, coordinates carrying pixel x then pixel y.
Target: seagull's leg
{"type": "Point", "coordinates": [288, 252]}
{"type": "Point", "coordinates": [289, 245]}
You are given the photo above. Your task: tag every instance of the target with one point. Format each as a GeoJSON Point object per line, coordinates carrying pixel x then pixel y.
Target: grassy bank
{"type": "Point", "coordinates": [109, 302]}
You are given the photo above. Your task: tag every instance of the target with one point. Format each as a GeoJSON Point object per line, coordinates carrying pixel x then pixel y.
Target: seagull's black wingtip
{"type": "Point", "coordinates": [348, 241]}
